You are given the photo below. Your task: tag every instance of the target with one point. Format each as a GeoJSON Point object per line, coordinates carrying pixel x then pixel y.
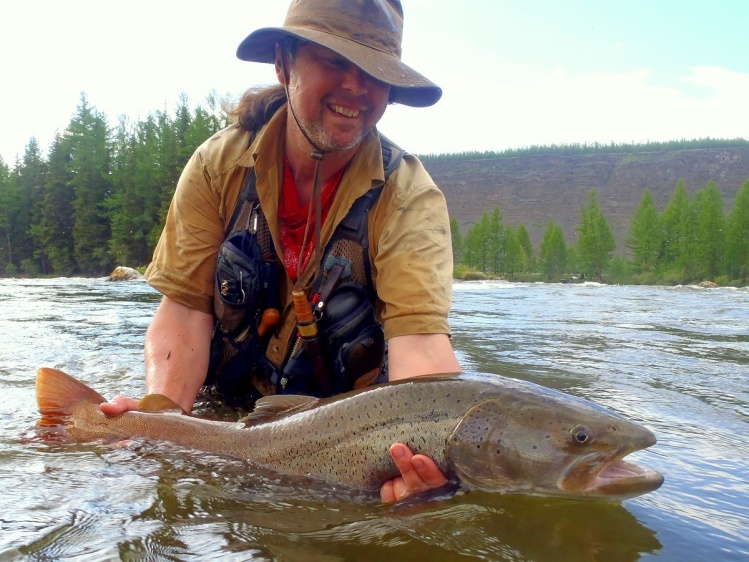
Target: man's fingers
{"type": "Point", "coordinates": [387, 492]}
{"type": "Point", "coordinates": [418, 473]}
{"type": "Point", "coordinates": [118, 405]}
{"type": "Point", "coordinates": [402, 456]}
{"type": "Point", "coordinates": [428, 471]}
{"type": "Point", "coordinates": [394, 490]}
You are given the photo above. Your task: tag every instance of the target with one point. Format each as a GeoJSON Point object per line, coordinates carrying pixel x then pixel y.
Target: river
{"type": "Point", "coordinates": [675, 359]}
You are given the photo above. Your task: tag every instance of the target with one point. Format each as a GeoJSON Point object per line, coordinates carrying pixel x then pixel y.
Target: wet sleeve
{"type": "Point", "coordinates": [413, 259]}
{"type": "Point", "coordinates": [184, 261]}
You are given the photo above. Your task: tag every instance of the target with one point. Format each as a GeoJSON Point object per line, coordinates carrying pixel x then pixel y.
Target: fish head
{"type": "Point", "coordinates": [550, 444]}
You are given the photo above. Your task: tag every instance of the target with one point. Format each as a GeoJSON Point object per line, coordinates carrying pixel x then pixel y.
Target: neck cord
{"type": "Point", "coordinates": [315, 202]}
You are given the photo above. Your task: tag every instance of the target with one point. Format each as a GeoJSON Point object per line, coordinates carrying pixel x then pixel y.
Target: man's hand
{"type": "Point", "coordinates": [418, 473]}
{"type": "Point", "coordinates": [118, 405]}
{"type": "Point", "coordinates": [411, 356]}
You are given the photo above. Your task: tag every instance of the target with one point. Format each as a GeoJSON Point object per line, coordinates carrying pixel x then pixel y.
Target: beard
{"type": "Point", "coordinates": [313, 127]}
{"type": "Point", "coordinates": [324, 140]}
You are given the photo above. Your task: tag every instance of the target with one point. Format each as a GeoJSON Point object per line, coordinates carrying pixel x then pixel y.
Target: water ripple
{"type": "Point", "coordinates": [674, 359]}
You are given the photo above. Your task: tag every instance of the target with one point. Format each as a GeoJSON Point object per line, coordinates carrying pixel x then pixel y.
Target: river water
{"type": "Point", "coordinates": [675, 359]}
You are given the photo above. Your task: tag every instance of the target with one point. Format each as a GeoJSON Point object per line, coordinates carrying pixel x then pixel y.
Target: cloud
{"type": "Point", "coordinates": [560, 107]}
{"type": "Point", "coordinates": [499, 91]}
{"type": "Point", "coordinates": [728, 85]}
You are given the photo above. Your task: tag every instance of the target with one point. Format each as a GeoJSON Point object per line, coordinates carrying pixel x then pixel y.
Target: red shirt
{"type": "Point", "coordinates": [292, 217]}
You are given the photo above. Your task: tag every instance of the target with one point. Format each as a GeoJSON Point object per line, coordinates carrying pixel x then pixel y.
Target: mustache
{"type": "Point", "coordinates": [357, 102]}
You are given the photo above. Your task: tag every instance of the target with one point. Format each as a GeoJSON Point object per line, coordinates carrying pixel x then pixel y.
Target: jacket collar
{"type": "Point", "coordinates": [266, 154]}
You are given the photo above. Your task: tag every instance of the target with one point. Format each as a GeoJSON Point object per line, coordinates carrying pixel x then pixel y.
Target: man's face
{"type": "Point", "coordinates": [335, 102]}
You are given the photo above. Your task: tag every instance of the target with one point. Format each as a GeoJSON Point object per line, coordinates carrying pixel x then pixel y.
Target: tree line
{"type": "Point", "coordinates": [690, 241]}
{"type": "Point", "coordinates": [100, 196]}
{"type": "Point", "coordinates": [590, 148]}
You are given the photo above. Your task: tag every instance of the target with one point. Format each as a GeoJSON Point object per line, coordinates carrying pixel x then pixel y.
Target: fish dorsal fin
{"type": "Point", "coordinates": [158, 403]}
{"type": "Point", "coordinates": [270, 407]}
{"type": "Point", "coordinates": [57, 393]}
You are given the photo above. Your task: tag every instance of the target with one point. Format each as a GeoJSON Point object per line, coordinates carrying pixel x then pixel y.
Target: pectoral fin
{"type": "Point", "coordinates": [159, 403]}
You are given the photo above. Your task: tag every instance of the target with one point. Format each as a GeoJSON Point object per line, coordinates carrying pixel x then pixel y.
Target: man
{"type": "Point", "coordinates": [300, 159]}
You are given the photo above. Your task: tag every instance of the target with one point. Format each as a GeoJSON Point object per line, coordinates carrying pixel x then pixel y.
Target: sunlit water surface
{"type": "Point", "coordinates": [674, 359]}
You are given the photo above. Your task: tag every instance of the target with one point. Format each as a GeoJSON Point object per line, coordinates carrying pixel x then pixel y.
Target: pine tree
{"type": "Point", "coordinates": [6, 195]}
{"type": "Point", "coordinates": [708, 210]}
{"type": "Point", "coordinates": [646, 235]}
{"type": "Point", "coordinates": [152, 175]}
{"type": "Point", "coordinates": [30, 193]}
{"type": "Point", "coordinates": [471, 248]}
{"type": "Point", "coordinates": [182, 121]}
{"type": "Point", "coordinates": [738, 235]}
{"type": "Point", "coordinates": [571, 262]}
{"type": "Point", "coordinates": [526, 245]}
{"type": "Point", "coordinates": [90, 152]}
{"type": "Point", "coordinates": [553, 253]}
{"type": "Point", "coordinates": [495, 241]}
{"type": "Point", "coordinates": [678, 232]}
{"type": "Point", "coordinates": [513, 252]}
{"type": "Point", "coordinates": [55, 227]}
{"type": "Point", "coordinates": [596, 242]}
{"type": "Point", "coordinates": [123, 236]}
{"type": "Point", "coordinates": [477, 244]}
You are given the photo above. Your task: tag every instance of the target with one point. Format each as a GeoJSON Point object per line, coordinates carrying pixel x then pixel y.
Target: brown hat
{"type": "Point", "coordinates": [366, 32]}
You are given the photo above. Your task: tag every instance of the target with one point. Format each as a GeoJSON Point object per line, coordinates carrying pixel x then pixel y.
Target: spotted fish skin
{"type": "Point", "coordinates": [488, 432]}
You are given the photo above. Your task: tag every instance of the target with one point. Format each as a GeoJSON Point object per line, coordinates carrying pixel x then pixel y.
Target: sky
{"type": "Point", "coordinates": [514, 73]}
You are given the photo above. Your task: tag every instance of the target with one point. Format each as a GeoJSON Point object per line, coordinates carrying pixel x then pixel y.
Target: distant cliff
{"type": "Point", "coordinates": [531, 189]}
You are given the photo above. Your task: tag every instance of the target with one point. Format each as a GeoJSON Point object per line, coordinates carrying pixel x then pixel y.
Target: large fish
{"type": "Point", "coordinates": [485, 432]}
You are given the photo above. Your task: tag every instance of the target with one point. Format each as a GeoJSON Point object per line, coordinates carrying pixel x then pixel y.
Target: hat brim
{"type": "Point", "coordinates": [407, 86]}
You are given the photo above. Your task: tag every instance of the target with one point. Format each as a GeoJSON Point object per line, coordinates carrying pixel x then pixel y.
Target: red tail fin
{"type": "Point", "coordinates": [56, 393]}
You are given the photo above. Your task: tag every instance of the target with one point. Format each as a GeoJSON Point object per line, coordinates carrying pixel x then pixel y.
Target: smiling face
{"type": "Point", "coordinates": [335, 102]}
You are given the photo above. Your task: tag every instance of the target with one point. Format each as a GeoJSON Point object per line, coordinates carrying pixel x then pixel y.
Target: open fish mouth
{"type": "Point", "coordinates": [616, 479]}
{"type": "Point", "coordinates": [621, 478]}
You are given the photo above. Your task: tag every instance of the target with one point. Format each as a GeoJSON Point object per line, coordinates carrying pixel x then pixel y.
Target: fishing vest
{"type": "Point", "coordinates": [247, 294]}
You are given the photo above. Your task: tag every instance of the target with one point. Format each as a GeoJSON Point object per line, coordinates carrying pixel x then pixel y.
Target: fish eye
{"type": "Point", "coordinates": [580, 435]}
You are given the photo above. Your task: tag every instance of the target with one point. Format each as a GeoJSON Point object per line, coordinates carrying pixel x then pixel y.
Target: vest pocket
{"type": "Point", "coordinates": [354, 339]}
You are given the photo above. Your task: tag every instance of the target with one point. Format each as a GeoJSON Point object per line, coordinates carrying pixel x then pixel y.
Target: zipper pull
{"type": "Point", "coordinates": [253, 218]}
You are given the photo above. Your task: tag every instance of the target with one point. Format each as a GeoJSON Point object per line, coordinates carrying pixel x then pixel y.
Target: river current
{"type": "Point", "coordinates": [675, 359]}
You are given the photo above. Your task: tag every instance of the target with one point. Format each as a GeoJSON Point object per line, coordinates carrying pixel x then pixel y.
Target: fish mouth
{"type": "Point", "coordinates": [622, 479]}
{"type": "Point", "coordinates": [611, 478]}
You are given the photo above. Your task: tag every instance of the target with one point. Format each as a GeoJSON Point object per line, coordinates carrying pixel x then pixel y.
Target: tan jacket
{"type": "Point", "coordinates": [409, 231]}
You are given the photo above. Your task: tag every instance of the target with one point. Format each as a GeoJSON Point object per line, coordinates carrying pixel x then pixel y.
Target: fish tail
{"type": "Point", "coordinates": [57, 393]}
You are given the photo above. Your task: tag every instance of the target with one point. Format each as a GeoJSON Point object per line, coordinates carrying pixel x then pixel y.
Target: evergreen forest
{"type": "Point", "coordinates": [99, 197]}
{"type": "Point", "coordinates": [691, 241]}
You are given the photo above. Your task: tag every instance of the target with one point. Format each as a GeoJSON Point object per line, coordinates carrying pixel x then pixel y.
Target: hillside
{"type": "Point", "coordinates": [531, 189]}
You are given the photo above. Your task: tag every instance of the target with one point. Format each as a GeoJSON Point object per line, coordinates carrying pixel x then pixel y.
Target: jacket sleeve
{"type": "Point", "coordinates": [184, 261]}
{"type": "Point", "coordinates": [412, 254]}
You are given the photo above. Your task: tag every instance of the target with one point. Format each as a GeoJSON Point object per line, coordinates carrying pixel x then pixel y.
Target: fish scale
{"type": "Point", "coordinates": [336, 449]}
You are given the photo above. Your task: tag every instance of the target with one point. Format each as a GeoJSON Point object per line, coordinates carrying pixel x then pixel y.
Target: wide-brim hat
{"type": "Point", "coordinates": [366, 32]}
